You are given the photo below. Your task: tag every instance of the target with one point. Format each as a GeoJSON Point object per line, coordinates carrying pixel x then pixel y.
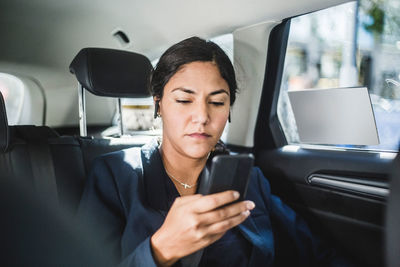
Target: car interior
{"type": "Point", "coordinates": [73, 86]}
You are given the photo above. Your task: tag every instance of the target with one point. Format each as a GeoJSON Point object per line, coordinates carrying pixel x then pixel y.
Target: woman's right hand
{"type": "Point", "coordinates": [196, 221]}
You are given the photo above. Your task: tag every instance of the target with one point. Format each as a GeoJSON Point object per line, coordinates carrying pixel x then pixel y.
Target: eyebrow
{"type": "Point", "coordinates": [189, 91]}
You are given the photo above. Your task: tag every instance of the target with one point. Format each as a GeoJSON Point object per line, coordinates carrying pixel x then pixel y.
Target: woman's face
{"type": "Point", "coordinates": [194, 109]}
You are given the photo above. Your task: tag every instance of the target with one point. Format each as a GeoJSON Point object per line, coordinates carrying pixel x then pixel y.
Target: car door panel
{"type": "Point", "coordinates": [350, 219]}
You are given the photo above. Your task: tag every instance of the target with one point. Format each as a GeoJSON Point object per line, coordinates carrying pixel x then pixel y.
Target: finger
{"type": "Point", "coordinates": [187, 199]}
{"type": "Point", "coordinates": [227, 224]}
{"type": "Point", "coordinates": [210, 202]}
{"type": "Point", "coordinates": [225, 212]}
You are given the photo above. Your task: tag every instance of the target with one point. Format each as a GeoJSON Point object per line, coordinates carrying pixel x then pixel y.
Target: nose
{"type": "Point", "coordinates": [200, 114]}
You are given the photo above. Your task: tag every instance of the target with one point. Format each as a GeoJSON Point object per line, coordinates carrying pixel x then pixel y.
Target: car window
{"type": "Point", "coordinates": [12, 89]}
{"type": "Point", "coordinates": [138, 116]}
{"type": "Point", "coordinates": [350, 45]}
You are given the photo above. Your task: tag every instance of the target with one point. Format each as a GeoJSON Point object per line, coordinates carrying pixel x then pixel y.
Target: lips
{"type": "Point", "coordinates": [200, 135]}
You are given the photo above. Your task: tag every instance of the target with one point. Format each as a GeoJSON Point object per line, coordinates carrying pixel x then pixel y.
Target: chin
{"type": "Point", "coordinates": [197, 152]}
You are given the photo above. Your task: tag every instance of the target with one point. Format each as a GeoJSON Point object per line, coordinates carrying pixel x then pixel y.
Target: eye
{"type": "Point", "coordinates": [183, 101]}
{"type": "Point", "coordinates": [216, 103]}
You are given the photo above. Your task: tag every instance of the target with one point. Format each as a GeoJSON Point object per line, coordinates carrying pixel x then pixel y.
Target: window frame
{"type": "Point", "coordinates": [269, 133]}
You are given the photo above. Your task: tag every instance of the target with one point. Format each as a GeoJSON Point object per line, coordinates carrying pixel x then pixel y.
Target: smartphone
{"type": "Point", "coordinates": [227, 172]}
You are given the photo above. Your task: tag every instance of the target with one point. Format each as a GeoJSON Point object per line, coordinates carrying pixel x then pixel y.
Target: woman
{"type": "Point", "coordinates": [145, 202]}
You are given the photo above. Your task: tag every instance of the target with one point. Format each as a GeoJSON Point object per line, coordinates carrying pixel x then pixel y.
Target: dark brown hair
{"type": "Point", "coordinates": [187, 51]}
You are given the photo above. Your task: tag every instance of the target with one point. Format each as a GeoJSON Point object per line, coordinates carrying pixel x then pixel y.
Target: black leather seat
{"type": "Point", "coordinates": [55, 166]}
{"type": "Point", "coordinates": [41, 171]}
{"type": "Point", "coordinates": [35, 232]}
{"type": "Point", "coordinates": [37, 156]}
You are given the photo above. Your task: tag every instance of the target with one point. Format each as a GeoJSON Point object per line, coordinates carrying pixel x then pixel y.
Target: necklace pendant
{"type": "Point", "coordinates": [185, 186]}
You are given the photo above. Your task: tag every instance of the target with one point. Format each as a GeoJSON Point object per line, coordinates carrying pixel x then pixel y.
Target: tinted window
{"type": "Point", "coordinates": [354, 44]}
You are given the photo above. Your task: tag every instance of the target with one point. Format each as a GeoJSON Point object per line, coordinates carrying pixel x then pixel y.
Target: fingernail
{"type": "Point", "coordinates": [246, 213]}
{"type": "Point", "coordinates": [236, 194]}
{"type": "Point", "coordinates": [250, 205]}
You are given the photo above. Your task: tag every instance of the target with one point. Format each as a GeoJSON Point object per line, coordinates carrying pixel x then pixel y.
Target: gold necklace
{"type": "Point", "coordinates": [186, 186]}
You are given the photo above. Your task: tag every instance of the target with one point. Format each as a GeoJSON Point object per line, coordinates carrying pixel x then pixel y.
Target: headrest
{"type": "Point", "coordinates": [109, 72]}
{"type": "Point", "coordinates": [4, 135]}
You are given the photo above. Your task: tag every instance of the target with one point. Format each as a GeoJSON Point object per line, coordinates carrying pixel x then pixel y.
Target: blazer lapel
{"type": "Point", "coordinates": [153, 178]}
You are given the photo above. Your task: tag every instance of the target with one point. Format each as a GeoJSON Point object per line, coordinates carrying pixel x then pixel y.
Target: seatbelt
{"type": "Point", "coordinates": [44, 177]}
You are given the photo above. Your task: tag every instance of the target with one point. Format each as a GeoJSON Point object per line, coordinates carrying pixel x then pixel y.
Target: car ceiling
{"type": "Point", "coordinates": [39, 38]}
{"type": "Point", "coordinates": [50, 32]}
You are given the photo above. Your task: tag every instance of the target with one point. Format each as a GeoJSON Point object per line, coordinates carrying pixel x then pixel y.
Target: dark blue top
{"type": "Point", "coordinates": [126, 199]}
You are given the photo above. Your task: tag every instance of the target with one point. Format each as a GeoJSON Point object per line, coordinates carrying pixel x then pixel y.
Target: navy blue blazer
{"type": "Point", "coordinates": [125, 197]}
